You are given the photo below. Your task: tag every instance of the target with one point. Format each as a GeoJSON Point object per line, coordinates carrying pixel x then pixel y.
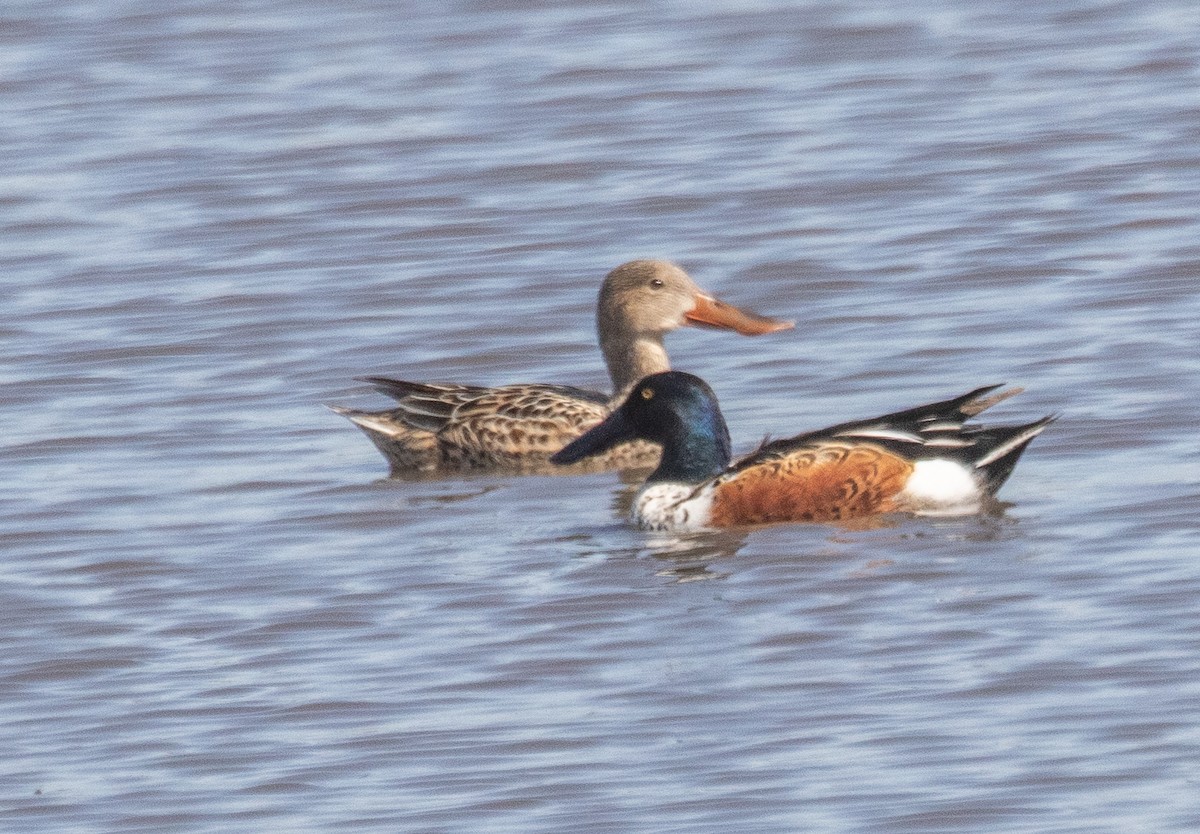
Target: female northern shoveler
{"type": "Point", "coordinates": [520, 426]}
{"type": "Point", "coordinates": [923, 460]}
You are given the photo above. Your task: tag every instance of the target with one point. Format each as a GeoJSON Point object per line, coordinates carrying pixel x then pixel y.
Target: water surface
{"type": "Point", "coordinates": [217, 612]}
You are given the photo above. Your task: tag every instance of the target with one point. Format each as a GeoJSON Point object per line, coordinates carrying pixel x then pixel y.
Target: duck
{"type": "Point", "coordinates": [447, 426]}
{"type": "Point", "coordinates": [923, 461]}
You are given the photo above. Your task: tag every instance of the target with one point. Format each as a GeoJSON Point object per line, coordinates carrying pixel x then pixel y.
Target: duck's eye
{"type": "Point", "coordinates": [656, 283]}
{"type": "Point", "coordinates": [647, 393]}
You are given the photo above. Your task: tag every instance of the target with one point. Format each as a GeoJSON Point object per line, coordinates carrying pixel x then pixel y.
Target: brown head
{"type": "Point", "coordinates": [641, 301]}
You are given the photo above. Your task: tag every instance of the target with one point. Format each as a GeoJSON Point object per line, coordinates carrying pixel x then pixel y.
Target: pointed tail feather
{"type": "Point", "coordinates": [1008, 442]}
{"type": "Point", "coordinates": [405, 448]}
{"type": "Point", "coordinates": [400, 389]}
{"type": "Point", "coordinates": [978, 403]}
{"type": "Point", "coordinates": [386, 423]}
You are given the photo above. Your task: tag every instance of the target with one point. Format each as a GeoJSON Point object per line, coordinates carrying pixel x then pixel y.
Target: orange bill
{"type": "Point", "coordinates": [713, 313]}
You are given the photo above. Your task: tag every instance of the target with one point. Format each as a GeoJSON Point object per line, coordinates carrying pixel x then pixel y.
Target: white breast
{"type": "Point", "coordinates": [668, 506]}
{"type": "Point", "coordinates": [941, 487]}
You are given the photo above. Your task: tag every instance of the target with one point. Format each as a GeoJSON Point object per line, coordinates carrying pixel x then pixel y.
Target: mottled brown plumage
{"type": "Point", "coordinates": [465, 427]}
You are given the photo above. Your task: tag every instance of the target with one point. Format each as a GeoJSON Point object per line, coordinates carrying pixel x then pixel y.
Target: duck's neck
{"type": "Point", "coordinates": [630, 357]}
{"type": "Point", "coordinates": [694, 451]}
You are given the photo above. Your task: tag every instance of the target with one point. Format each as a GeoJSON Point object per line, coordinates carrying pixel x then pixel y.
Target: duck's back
{"type": "Point", "coordinates": [511, 426]}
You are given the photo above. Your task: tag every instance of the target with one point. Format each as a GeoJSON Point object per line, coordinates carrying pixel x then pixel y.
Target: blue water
{"type": "Point", "coordinates": [217, 613]}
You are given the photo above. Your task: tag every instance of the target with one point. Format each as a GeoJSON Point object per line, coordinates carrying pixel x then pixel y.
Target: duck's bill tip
{"type": "Point", "coordinates": [712, 312]}
{"type": "Point", "coordinates": [612, 431]}
{"type": "Point", "coordinates": [574, 452]}
{"type": "Point", "coordinates": [564, 457]}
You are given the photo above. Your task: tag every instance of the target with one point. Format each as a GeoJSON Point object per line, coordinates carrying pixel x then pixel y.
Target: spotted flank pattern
{"type": "Point", "coordinates": [513, 426]}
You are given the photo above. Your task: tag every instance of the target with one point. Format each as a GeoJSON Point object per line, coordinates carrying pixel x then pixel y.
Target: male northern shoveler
{"type": "Point", "coordinates": [923, 460]}
{"type": "Point", "coordinates": [519, 426]}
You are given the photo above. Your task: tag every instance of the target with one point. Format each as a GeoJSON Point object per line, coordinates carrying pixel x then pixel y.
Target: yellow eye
{"type": "Point", "coordinates": [647, 393]}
